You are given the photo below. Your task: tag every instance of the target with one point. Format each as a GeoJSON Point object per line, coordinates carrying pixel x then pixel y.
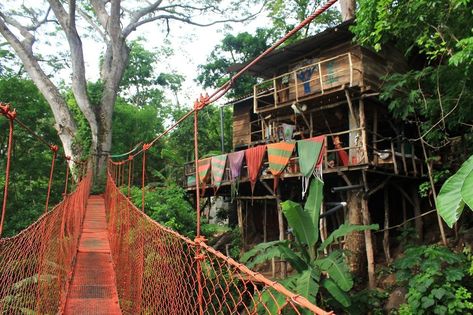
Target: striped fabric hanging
{"type": "Point", "coordinates": [254, 160]}
{"type": "Point", "coordinates": [204, 172]}
{"type": "Point", "coordinates": [218, 170]}
{"type": "Point", "coordinates": [235, 162]}
{"type": "Point", "coordinates": [279, 155]}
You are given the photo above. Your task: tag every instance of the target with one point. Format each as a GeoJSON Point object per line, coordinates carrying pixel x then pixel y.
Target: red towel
{"type": "Point", "coordinates": [254, 160]}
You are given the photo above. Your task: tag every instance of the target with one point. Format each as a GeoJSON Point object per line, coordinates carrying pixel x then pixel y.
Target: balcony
{"type": "Point", "coordinates": [307, 82]}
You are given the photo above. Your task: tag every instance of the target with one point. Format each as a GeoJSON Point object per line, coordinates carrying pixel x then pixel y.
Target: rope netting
{"type": "Point", "coordinates": [36, 265]}
{"type": "Point", "coordinates": [158, 271]}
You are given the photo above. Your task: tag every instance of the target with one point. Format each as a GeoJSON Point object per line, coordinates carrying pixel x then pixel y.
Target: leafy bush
{"type": "Point", "coordinates": [316, 271]}
{"type": "Point", "coordinates": [367, 299]}
{"type": "Point", "coordinates": [168, 206]}
{"type": "Point", "coordinates": [436, 279]}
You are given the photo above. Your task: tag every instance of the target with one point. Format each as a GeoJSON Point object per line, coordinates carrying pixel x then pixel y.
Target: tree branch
{"type": "Point", "coordinates": [29, 38]}
{"type": "Point", "coordinates": [102, 15]}
{"type": "Point", "coordinates": [92, 23]}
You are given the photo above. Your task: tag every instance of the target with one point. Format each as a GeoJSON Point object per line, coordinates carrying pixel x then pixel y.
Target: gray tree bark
{"type": "Point", "coordinates": [348, 9]}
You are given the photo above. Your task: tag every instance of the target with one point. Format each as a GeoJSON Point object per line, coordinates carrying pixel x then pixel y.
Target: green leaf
{"type": "Point", "coordinates": [289, 255]}
{"type": "Point", "coordinates": [450, 203]}
{"type": "Point", "coordinates": [467, 190]}
{"type": "Point", "coordinates": [343, 230]}
{"type": "Point", "coordinates": [427, 302]}
{"type": "Point", "coordinates": [336, 267]}
{"type": "Point", "coordinates": [262, 253]}
{"type": "Point", "coordinates": [307, 284]}
{"type": "Point", "coordinates": [301, 222]}
{"type": "Point", "coordinates": [335, 291]}
{"type": "Point", "coordinates": [313, 203]}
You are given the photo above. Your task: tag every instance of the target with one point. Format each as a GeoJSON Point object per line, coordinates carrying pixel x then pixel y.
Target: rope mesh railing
{"type": "Point", "coordinates": [157, 271]}
{"type": "Point", "coordinates": [36, 265]}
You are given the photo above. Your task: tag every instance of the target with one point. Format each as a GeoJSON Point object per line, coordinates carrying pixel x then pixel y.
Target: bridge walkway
{"type": "Point", "coordinates": [93, 290]}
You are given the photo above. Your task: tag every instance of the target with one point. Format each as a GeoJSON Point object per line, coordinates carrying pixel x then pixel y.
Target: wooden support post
{"type": "Point", "coordinates": [404, 209]}
{"type": "Point", "coordinates": [403, 154]}
{"type": "Point", "coordinates": [375, 135]}
{"type": "Point", "coordinates": [414, 164]}
{"type": "Point", "coordinates": [364, 142]}
{"type": "Point", "coordinates": [281, 233]}
{"type": "Point", "coordinates": [369, 245]}
{"type": "Point", "coordinates": [418, 221]}
{"type": "Point", "coordinates": [393, 154]}
{"type": "Point", "coordinates": [350, 107]}
{"type": "Point", "coordinates": [240, 221]}
{"type": "Point", "coordinates": [387, 252]}
{"type": "Point", "coordinates": [265, 221]}
{"type": "Point", "coordinates": [311, 131]}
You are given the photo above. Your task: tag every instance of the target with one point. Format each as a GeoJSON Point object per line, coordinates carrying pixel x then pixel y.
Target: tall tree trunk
{"type": "Point", "coordinates": [115, 61]}
{"type": "Point", "coordinates": [355, 241]}
{"type": "Point", "coordinates": [348, 9]}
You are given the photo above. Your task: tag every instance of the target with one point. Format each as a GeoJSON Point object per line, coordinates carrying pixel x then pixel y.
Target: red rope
{"type": "Point", "coordinates": [146, 146]}
{"type": "Point", "coordinates": [53, 148]}
{"type": "Point", "coordinates": [7, 169]}
{"type": "Point", "coordinates": [130, 170]}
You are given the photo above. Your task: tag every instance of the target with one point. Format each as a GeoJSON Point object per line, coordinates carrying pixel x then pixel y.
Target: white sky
{"type": "Point", "coordinates": [191, 44]}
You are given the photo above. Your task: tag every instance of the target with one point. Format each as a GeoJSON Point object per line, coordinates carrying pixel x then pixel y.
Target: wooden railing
{"type": "Point", "coordinates": [331, 160]}
{"type": "Point", "coordinates": [307, 81]}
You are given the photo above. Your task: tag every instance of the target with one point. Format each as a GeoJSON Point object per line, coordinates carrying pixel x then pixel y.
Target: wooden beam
{"type": "Point", "coordinates": [265, 221]}
{"type": "Point", "coordinates": [240, 221]}
{"type": "Point", "coordinates": [255, 197]}
{"type": "Point", "coordinates": [369, 245]}
{"type": "Point", "coordinates": [379, 187]}
{"type": "Point", "coordinates": [387, 252]}
{"type": "Point", "coordinates": [364, 141]}
{"type": "Point", "coordinates": [281, 234]}
{"type": "Point", "coordinates": [350, 106]}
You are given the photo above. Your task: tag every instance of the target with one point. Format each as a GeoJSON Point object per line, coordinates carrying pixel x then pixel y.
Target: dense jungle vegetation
{"type": "Point", "coordinates": [436, 37]}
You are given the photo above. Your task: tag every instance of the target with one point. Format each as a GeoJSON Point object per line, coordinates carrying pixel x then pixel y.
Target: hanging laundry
{"type": "Point", "coordinates": [342, 153]}
{"type": "Point", "coordinates": [305, 76]}
{"type": "Point", "coordinates": [278, 157]}
{"type": "Point", "coordinates": [310, 152]}
{"type": "Point", "coordinates": [235, 161]}
{"type": "Point", "coordinates": [254, 160]}
{"type": "Point", "coordinates": [218, 170]}
{"type": "Point", "coordinates": [204, 171]}
{"type": "Point", "coordinates": [288, 131]}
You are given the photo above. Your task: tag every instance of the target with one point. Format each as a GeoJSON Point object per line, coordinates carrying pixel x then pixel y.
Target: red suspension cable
{"type": "Point", "coordinates": [53, 148]}
{"type": "Point", "coordinates": [5, 110]}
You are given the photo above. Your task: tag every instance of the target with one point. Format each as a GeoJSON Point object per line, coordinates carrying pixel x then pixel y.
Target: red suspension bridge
{"type": "Point", "coordinates": [103, 255]}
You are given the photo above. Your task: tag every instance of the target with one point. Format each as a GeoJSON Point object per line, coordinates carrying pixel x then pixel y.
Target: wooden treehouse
{"type": "Point", "coordinates": [324, 86]}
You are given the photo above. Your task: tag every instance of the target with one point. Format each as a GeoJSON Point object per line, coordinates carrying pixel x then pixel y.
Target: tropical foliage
{"type": "Point", "coordinates": [437, 281]}
{"type": "Point", "coordinates": [455, 193]}
{"type": "Point", "coordinates": [316, 271]}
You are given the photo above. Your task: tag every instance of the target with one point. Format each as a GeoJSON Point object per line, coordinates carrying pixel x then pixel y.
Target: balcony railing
{"type": "Point", "coordinates": [331, 161]}
{"type": "Point", "coordinates": [307, 81]}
